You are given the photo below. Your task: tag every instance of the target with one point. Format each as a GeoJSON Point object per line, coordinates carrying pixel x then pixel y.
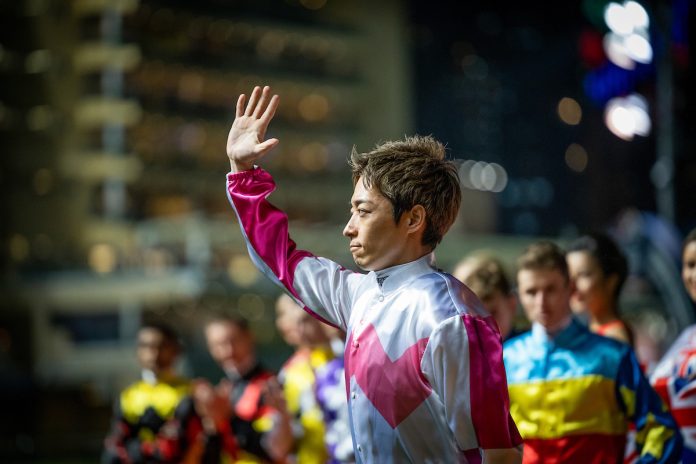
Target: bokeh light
{"type": "Point", "coordinates": [628, 42]}
{"type": "Point", "coordinates": [102, 258]}
{"type": "Point", "coordinates": [569, 111]}
{"type": "Point", "coordinates": [43, 181]}
{"type": "Point", "coordinates": [618, 19]}
{"type": "Point", "coordinates": [18, 247]}
{"type": "Point", "coordinates": [313, 107]}
{"type": "Point", "coordinates": [627, 117]}
{"type": "Point", "coordinates": [313, 156]}
{"type": "Point", "coordinates": [242, 271]}
{"type": "Point", "coordinates": [639, 48]}
{"type": "Point", "coordinates": [576, 157]}
{"type": "Point", "coordinates": [480, 175]}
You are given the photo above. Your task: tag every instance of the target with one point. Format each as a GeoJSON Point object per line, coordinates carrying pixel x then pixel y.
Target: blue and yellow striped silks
{"type": "Point", "coordinates": [579, 384]}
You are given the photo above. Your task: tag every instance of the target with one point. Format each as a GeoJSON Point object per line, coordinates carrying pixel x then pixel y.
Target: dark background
{"type": "Point", "coordinates": [114, 213]}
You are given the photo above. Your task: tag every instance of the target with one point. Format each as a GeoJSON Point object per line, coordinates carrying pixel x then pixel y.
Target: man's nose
{"type": "Point", "coordinates": [349, 229]}
{"type": "Point", "coordinates": [541, 298]}
{"type": "Point", "coordinates": [227, 350]}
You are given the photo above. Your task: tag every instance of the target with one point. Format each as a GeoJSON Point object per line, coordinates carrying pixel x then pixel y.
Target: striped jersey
{"type": "Point", "coordinates": [573, 396]}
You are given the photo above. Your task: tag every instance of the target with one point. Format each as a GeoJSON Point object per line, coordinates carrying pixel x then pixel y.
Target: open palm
{"type": "Point", "coordinates": [245, 142]}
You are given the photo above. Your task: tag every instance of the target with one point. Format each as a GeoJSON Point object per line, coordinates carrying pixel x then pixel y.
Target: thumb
{"type": "Point", "coordinates": [263, 147]}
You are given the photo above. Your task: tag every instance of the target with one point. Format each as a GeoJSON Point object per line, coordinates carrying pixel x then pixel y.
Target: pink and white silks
{"type": "Point", "coordinates": [424, 371]}
{"type": "Point", "coordinates": [674, 379]}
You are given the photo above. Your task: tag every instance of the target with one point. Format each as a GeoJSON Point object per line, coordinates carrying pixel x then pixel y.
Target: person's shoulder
{"type": "Point", "coordinates": [687, 336]}
{"type": "Point", "coordinates": [180, 382]}
{"type": "Point", "coordinates": [517, 341]}
{"type": "Point", "coordinates": [519, 352]}
{"type": "Point", "coordinates": [612, 352]}
{"type": "Point", "coordinates": [604, 341]}
{"type": "Point", "coordinates": [133, 387]}
{"type": "Point", "coordinates": [461, 297]}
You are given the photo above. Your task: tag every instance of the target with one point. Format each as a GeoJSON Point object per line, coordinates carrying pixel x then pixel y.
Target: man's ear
{"type": "Point", "coordinates": [415, 219]}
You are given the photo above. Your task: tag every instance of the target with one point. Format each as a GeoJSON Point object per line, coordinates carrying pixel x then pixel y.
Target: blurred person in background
{"type": "Point", "coordinates": [598, 270]}
{"type": "Point", "coordinates": [423, 362]}
{"type": "Point", "coordinates": [331, 396]}
{"type": "Point", "coordinates": [573, 392]}
{"type": "Point", "coordinates": [674, 377]}
{"type": "Point", "coordinates": [298, 378]}
{"type": "Point", "coordinates": [486, 277]}
{"type": "Point", "coordinates": [244, 417]}
{"type": "Point", "coordinates": [154, 418]}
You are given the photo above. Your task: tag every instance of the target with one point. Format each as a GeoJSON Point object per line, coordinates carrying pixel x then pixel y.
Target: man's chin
{"type": "Point", "coordinates": [365, 266]}
{"type": "Point", "coordinates": [360, 263]}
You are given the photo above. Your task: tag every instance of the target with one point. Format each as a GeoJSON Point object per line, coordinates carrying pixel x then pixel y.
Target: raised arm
{"type": "Point", "coordinates": [245, 142]}
{"type": "Point", "coordinates": [321, 286]}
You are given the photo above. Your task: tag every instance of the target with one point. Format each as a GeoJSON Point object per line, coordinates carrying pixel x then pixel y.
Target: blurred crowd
{"type": "Point", "coordinates": [563, 353]}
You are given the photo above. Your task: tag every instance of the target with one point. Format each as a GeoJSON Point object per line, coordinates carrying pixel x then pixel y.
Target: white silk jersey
{"type": "Point", "coordinates": [423, 361]}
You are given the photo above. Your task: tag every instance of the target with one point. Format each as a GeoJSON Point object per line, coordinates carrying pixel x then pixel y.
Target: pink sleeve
{"type": "Point", "coordinates": [265, 230]}
{"type": "Point", "coordinates": [463, 364]}
{"type": "Point", "coordinates": [490, 402]}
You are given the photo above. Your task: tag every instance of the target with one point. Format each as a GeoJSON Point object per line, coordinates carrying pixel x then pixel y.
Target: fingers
{"type": "Point", "coordinates": [265, 119]}
{"type": "Point", "coordinates": [263, 102]}
{"type": "Point", "coordinates": [259, 105]}
{"type": "Point", "coordinates": [270, 109]}
{"type": "Point", "coordinates": [273, 394]}
{"type": "Point", "coordinates": [224, 388]}
{"type": "Point", "coordinates": [240, 106]}
{"type": "Point", "coordinates": [252, 101]}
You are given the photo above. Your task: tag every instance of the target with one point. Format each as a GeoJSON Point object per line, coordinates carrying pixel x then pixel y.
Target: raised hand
{"type": "Point", "coordinates": [273, 395]}
{"type": "Point", "coordinates": [245, 142]}
{"type": "Point", "coordinates": [212, 403]}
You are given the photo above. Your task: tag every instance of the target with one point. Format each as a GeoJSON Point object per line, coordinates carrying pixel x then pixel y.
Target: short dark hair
{"type": "Point", "coordinates": [609, 256]}
{"type": "Point", "coordinates": [167, 331]}
{"type": "Point", "coordinates": [413, 172]}
{"type": "Point", "coordinates": [237, 321]}
{"type": "Point", "coordinates": [543, 255]}
{"type": "Point", "coordinates": [690, 237]}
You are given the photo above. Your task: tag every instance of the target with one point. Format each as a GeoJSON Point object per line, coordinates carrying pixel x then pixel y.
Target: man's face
{"type": "Point", "coordinates": [689, 269]}
{"type": "Point", "coordinates": [288, 315]}
{"type": "Point", "coordinates": [155, 352]}
{"type": "Point", "coordinates": [231, 347]}
{"type": "Point", "coordinates": [311, 331]}
{"type": "Point", "coordinates": [544, 295]}
{"type": "Point", "coordinates": [376, 241]}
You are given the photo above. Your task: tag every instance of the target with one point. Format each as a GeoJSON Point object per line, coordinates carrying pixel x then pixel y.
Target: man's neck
{"type": "Point", "coordinates": [152, 377]}
{"type": "Point", "coordinates": [407, 259]}
{"type": "Point", "coordinates": [242, 368]}
{"type": "Point", "coordinates": [553, 331]}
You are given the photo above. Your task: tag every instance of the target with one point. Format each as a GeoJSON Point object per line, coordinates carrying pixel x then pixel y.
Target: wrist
{"type": "Point", "coordinates": [239, 166]}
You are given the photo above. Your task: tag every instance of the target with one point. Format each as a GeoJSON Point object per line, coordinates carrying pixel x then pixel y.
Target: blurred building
{"type": "Point", "coordinates": [114, 116]}
{"type": "Point", "coordinates": [113, 121]}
